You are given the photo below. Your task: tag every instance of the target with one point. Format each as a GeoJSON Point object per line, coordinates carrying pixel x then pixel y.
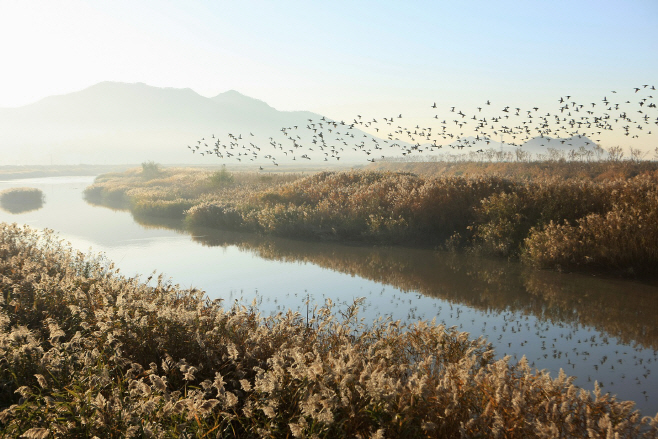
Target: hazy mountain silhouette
{"type": "Point", "coordinates": [536, 146]}
{"type": "Point", "coordinates": [471, 143]}
{"type": "Point", "coordinates": [114, 122]}
{"type": "Point", "coordinates": [541, 144]}
{"type": "Point", "coordinates": [118, 123]}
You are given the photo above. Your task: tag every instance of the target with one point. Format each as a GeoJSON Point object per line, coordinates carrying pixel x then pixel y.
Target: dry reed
{"type": "Point", "coordinates": [509, 217]}
{"type": "Point", "coordinates": [85, 352]}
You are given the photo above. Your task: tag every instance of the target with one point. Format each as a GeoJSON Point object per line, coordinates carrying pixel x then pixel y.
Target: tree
{"type": "Point", "coordinates": [637, 155]}
{"type": "Point", "coordinates": [598, 152]}
{"type": "Point", "coordinates": [150, 169]}
{"type": "Point", "coordinates": [615, 154]}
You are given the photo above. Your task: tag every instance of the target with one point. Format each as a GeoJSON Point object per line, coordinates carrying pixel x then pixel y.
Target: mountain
{"type": "Point", "coordinates": [239, 101]}
{"type": "Point", "coordinates": [115, 123]}
{"type": "Point", "coordinates": [540, 145]}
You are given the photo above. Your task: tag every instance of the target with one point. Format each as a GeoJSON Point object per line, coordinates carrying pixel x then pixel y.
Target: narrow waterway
{"type": "Point", "coordinates": [593, 328]}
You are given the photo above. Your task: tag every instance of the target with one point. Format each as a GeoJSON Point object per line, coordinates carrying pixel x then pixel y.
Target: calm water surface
{"type": "Point", "coordinates": [594, 329]}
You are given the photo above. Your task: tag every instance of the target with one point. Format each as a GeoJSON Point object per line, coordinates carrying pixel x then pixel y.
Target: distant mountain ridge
{"type": "Point", "coordinates": [112, 122]}
{"type": "Point", "coordinates": [117, 123]}
{"type": "Point", "coordinates": [237, 99]}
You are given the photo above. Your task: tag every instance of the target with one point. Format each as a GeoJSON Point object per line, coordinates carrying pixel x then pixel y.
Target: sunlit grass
{"type": "Point", "coordinates": [505, 216]}
{"type": "Point", "coordinates": [88, 352]}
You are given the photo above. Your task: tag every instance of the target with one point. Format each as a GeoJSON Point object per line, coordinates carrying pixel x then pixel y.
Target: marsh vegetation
{"type": "Point", "coordinates": [21, 199]}
{"type": "Point", "coordinates": [594, 219]}
{"type": "Point", "coordinates": [89, 351]}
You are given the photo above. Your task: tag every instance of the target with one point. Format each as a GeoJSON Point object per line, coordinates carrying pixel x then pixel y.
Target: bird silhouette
{"type": "Point", "coordinates": [513, 127]}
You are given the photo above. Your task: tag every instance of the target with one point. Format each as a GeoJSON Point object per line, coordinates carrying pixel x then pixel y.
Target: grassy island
{"type": "Point", "coordinates": [85, 351]}
{"type": "Point", "coordinates": [590, 219]}
{"type": "Point", "coordinates": [21, 199]}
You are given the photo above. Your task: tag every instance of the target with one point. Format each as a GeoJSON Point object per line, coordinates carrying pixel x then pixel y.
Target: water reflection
{"type": "Point", "coordinates": [593, 328]}
{"type": "Point", "coordinates": [596, 329]}
{"type": "Point", "coordinates": [621, 309]}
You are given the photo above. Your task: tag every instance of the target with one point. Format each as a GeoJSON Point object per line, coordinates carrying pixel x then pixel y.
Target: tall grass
{"type": "Point", "coordinates": [364, 206]}
{"type": "Point", "coordinates": [21, 199]}
{"type": "Point", "coordinates": [533, 170]}
{"type": "Point", "coordinates": [511, 217]}
{"type": "Point", "coordinates": [17, 195]}
{"type": "Point", "coordinates": [618, 238]}
{"type": "Point", "coordinates": [88, 352]}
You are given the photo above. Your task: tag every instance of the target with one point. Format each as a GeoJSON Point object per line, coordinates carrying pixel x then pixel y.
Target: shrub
{"type": "Point", "coordinates": [222, 177]}
{"type": "Point", "coordinates": [150, 170]}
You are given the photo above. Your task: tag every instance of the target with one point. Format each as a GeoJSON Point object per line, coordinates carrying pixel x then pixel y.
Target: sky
{"type": "Point", "coordinates": [336, 58]}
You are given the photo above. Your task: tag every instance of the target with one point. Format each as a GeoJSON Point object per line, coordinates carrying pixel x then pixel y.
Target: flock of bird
{"type": "Point", "coordinates": [331, 140]}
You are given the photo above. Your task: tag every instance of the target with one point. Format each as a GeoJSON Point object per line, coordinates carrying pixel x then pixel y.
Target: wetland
{"type": "Point", "coordinates": [595, 328]}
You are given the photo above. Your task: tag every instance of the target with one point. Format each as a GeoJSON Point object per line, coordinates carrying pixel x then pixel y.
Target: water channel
{"type": "Point", "coordinates": [593, 328]}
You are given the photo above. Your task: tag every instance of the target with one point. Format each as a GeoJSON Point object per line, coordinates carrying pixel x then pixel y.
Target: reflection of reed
{"type": "Point", "coordinates": [621, 309]}
{"type": "Point", "coordinates": [115, 200]}
{"type": "Point", "coordinates": [153, 222]}
{"type": "Point", "coordinates": [21, 199]}
{"type": "Point", "coordinates": [625, 310]}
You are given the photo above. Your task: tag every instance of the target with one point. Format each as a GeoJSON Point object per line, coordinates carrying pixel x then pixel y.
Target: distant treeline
{"type": "Point", "coordinates": [523, 170]}
{"type": "Point", "coordinates": [615, 154]}
{"type": "Point", "coordinates": [609, 223]}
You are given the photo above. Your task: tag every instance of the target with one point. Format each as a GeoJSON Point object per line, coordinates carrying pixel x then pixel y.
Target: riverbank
{"type": "Point", "coordinates": [575, 224]}
{"type": "Point", "coordinates": [90, 352]}
{"type": "Point", "coordinates": [9, 172]}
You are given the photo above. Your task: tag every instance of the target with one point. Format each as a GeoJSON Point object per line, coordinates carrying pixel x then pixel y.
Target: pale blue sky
{"type": "Point", "coordinates": [338, 58]}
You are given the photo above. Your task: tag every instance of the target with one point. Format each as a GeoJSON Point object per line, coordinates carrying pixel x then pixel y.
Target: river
{"type": "Point", "coordinates": [593, 328]}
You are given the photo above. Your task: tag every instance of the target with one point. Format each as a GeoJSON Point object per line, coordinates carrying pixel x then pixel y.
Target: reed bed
{"type": "Point", "coordinates": [21, 199]}
{"type": "Point", "coordinates": [88, 352]}
{"type": "Point", "coordinates": [17, 195]}
{"type": "Point", "coordinates": [597, 170]}
{"type": "Point", "coordinates": [572, 224]}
